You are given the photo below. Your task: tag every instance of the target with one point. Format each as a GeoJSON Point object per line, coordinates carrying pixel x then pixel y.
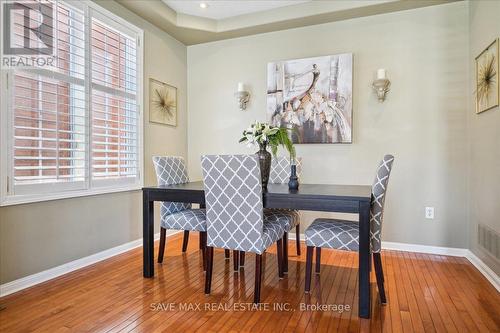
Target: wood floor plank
{"type": "Point", "coordinates": [421, 303]}
{"type": "Point", "coordinates": [432, 306]}
{"type": "Point", "coordinates": [392, 293]}
{"type": "Point", "coordinates": [425, 293]}
{"type": "Point", "coordinates": [414, 311]}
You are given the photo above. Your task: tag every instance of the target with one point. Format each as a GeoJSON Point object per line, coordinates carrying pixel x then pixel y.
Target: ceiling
{"type": "Point", "coordinates": [187, 22]}
{"type": "Point", "coordinates": [229, 8]}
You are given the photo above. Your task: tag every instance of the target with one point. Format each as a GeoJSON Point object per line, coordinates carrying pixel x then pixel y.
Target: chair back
{"type": "Point", "coordinates": [379, 190]}
{"type": "Point", "coordinates": [280, 170]}
{"type": "Point", "coordinates": [171, 170]}
{"type": "Point", "coordinates": [233, 198]}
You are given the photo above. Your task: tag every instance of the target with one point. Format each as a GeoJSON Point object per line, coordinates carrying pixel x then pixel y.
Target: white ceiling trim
{"type": "Point", "coordinates": [222, 9]}
{"type": "Point", "coordinates": [191, 29]}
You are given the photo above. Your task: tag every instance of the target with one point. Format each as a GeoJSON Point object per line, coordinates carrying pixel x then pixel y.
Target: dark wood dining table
{"type": "Point", "coordinates": [313, 197]}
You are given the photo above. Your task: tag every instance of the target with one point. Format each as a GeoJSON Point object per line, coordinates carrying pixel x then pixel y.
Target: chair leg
{"type": "Point", "coordinates": [285, 252]}
{"type": "Point", "coordinates": [309, 258]}
{"type": "Point", "coordinates": [242, 258]}
{"type": "Point", "coordinates": [161, 249]}
{"type": "Point", "coordinates": [318, 260]}
{"type": "Point", "coordinates": [297, 238]}
{"type": "Point", "coordinates": [227, 254]}
{"type": "Point", "coordinates": [258, 278]}
{"type": "Point", "coordinates": [203, 242]}
{"type": "Point", "coordinates": [279, 250]}
{"type": "Point", "coordinates": [208, 273]}
{"type": "Point", "coordinates": [379, 273]}
{"type": "Point", "coordinates": [185, 240]}
{"type": "Point", "coordinates": [236, 260]}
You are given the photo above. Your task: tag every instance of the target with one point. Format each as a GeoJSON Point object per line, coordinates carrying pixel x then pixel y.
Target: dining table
{"type": "Point", "coordinates": [312, 197]}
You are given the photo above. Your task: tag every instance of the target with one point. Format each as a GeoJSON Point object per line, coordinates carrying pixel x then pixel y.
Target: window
{"type": "Point", "coordinates": [74, 128]}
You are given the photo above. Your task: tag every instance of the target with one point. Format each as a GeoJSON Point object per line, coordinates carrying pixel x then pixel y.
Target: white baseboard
{"type": "Point", "coordinates": [31, 280]}
{"type": "Point", "coordinates": [447, 251]}
{"type": "Point", "coordinates": [488, 273]}
{"type": "Point", "coordinates": [28, 281]}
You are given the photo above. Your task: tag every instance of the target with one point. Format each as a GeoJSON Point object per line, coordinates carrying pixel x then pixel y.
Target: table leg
{"type": "Point", "coordinates": [148, 235]}
{"type": "Point", "coordinates": [364, 260]}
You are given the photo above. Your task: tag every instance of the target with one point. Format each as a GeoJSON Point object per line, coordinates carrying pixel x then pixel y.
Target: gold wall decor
{"type": "Point", "coordinates": [162, 103]}
{"type": "Point", "coordinates": [487, 88]}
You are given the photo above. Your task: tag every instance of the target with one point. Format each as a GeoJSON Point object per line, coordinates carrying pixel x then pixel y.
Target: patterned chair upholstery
{"type": "Point", "coordinates": [333, 234]}
{"type": "Point", "coordinates": [189, 219]}
{"type": "Point", "coordinates": [280, 170]}
{"type": "Point", "coordinates": [235, 213]}
{"type": "Point", "coordinates": [280, 174]}
{"type": "Point", "coordinates": [171, 170]}
{"type": "Point", "coordinates": [287, 217]}
{"type": "Point", "coordinates": [344, 235]}
{"type": "Point", "coordinates": [233, 195]}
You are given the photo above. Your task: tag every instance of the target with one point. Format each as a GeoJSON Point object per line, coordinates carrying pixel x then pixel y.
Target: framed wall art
{"type": "Point", "coordinates": [487, 90]}
{"type": "Point", "coordinates": [162, 103]}
{"type": "Point", "coordinates": [313, 97]}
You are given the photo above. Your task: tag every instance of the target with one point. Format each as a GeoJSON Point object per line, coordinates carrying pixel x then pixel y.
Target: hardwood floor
{"type": "Point", "coordinates": [425, 293]}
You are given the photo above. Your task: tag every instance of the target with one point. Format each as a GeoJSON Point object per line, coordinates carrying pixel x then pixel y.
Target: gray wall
{"type": "Point", "coordinates": [484, 172]}
{"type": "Point", "coordinates": [423, 121]}
{"type": "Point", "coordinates": [35, 237]}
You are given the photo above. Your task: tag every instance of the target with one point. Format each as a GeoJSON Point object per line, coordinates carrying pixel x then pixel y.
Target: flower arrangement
{"type": "Point", "coordinates": [265, 135]}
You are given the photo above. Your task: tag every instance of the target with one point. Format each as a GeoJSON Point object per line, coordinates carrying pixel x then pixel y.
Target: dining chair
{"type": "Point", "coordinates": [235, 213]}
{"type": "Point", "coordinates": [171, 170]}
{"type": "Point", "coordinates": [344, 235]}
{"type": "Point", "coordinates": [280, 174]}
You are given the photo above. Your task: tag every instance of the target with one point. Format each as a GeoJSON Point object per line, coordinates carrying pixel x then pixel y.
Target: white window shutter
{"type": "Point", "coordinates": [76, 126]}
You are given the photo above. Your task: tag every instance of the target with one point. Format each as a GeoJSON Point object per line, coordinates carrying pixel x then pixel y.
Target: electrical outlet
{"type": "Point", "coordinates": [429, 213]}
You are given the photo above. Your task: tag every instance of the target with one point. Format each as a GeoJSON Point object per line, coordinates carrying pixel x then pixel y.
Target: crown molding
{"type": "Point", "coordinates": [190, 29]}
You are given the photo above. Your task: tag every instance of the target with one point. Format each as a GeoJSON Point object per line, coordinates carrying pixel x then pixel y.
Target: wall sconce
{"type": "Point", "coordinates": [243, 96]}
{"type": "Point", "coordinates": [381, 85]}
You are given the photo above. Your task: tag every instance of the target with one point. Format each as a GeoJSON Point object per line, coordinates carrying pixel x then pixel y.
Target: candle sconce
{"type": "Point", "coordinates": [381, 85]}
{"type": "Point", "coordinates": [243, 96]}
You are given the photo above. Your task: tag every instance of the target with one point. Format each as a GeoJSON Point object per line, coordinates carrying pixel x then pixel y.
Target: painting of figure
{"type": "Point", "coordinates": [312, 97]}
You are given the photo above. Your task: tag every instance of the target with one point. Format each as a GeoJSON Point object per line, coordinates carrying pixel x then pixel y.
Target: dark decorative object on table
{"type": "Point", "coordinates": [265, 163]}
{"type": "Point", "coordinates": [265, 135]}
{"type": "Point", "coordinates": [293, 183]}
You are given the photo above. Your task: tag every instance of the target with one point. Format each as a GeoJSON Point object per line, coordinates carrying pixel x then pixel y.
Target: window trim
{"type": "Point", "coordinates": [6, 199]}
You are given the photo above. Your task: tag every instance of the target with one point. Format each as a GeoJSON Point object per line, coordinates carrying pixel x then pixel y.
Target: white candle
{"type": "Point", "coordinates": [381, 74]}
{"type": "Point", "coordinates": [240, 87]}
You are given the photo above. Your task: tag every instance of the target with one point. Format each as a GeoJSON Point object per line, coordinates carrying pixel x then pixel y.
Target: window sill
{"type": "Point", "coordinates": [26, 199]}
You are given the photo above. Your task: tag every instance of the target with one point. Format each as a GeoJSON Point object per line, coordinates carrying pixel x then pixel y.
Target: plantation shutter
{"type": "Point", "coordinates": [75, 125]}
{"type": "Point", "coordinates": [114, 108]}
{"type": "Point", "coordinates": [48, 109]}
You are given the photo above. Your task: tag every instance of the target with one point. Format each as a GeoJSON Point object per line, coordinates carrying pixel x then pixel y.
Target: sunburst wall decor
{"type": "Point", "coordinates": [487, 78]}
{"type": "Point", "coordinates": [162, 103]}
